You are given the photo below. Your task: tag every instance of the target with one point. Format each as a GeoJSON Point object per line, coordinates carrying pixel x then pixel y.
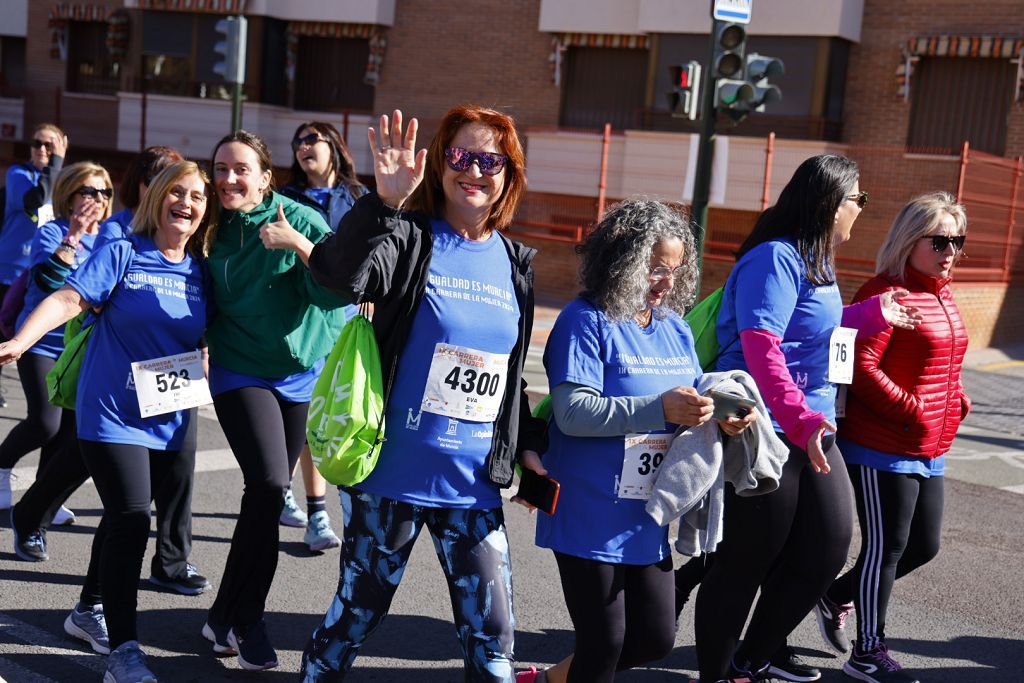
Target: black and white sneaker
{"type": "Point", "coordinates": [192, 583]}
{"type": "Point", "coordinates": [832, 621]}
{"type": "Point", "coordinates": [876, 666]}
{"type": "Point", "coordinates": [255, 652]}
{"type": "Point", "coordinates": [789, 666]}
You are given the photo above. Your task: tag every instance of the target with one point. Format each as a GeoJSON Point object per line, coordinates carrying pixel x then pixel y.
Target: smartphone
{"type": "Point", "coordinates": [731, 405]}
{"type": "Point", "coordinates": [539, 491]}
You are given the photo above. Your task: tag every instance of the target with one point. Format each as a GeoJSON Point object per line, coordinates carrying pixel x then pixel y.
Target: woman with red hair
{"type": "Point", "coordinates": [427, 251]}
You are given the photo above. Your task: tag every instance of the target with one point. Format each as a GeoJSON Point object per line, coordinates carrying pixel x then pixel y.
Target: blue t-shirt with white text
{"type": "Point", "coordinates": [432, 459]}
{"type": "Point", "coordinates": [616, 359]}
{"type": "Point", "coordinates": [18, 227]}
{"type": "Point", "coordinates": [152, 307]}
{"type": "Point", "coordinates": [768, 290]}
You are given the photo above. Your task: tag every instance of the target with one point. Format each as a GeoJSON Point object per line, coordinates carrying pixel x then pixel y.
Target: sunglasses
{"type": "Point", "coordinates": [94, 193]}
{"type": "Point", "coordinates": [940, 242]}
{"type": "Point", "coordinates": [460, 159]}
{"type": "Point", "coordinates": [861, 198]}
{"type": "Point", "coordinates": [308, 140]}
{"type": "Point", "coordinates": [39, 144]}
{"type": "Point", "coordinates": [663, 273]}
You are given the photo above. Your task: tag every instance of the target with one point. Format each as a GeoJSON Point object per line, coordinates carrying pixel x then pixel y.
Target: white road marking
{"type": "Point", "coordinates": [37, 642]}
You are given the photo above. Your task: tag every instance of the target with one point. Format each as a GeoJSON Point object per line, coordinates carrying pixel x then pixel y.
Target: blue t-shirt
{"type": "Point", "coordinates": [152, 307]}
{"type": "Point", "coordinates": [855, 454]}
{"type": "Point", "coordinates": [19, 227]}
{"type": "Point", "coordinates": [428, 458]}
{"type": "Point", "coordinates": [616, 359]}
{"type": "Point", "coordinates": [768, 290]}
{"type": "Point", "coordinates": [117, 227]}
{"type": "Point", "coordinates": [45, 242]}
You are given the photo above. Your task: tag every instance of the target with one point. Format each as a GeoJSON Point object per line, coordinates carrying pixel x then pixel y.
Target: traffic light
{"type": "Point", "coordinates": [759, 69]}
{"type": "Point", "coordinates": [728, 65]}
{"type": "Point", "coordinates": [232, 49]}
{"type": "Point", "coordinates": [684, 97]}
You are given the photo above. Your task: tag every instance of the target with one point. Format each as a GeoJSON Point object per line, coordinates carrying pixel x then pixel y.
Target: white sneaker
{"type": "Point", "coordinates": [5, 489]}
{"type": "Point", "coordinates": [63, 516]}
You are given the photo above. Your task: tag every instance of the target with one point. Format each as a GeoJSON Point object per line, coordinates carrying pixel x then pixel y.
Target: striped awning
{"type": "Point", "coordinates": [324, 29]}
{"type": "Point", "coordinates": [953, 45]}
{"type": "Point", "coordinates": [376, 35]}
{"type": "Point", "coordinates": [61, 13]}
{"type": "Point", "coordinates": [205, 6]}
{"type": "Point", "coordinates": [560, 42]}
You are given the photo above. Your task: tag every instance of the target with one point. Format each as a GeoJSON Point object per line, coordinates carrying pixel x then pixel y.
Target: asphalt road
{"type": "Point", "coordinates": [959, 619]}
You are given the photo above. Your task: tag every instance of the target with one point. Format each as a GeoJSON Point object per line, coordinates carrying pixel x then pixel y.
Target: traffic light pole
{"type": "Point", "coordinates": [705, 155]}
{"type": "Point", "coordinates": [236, 108]}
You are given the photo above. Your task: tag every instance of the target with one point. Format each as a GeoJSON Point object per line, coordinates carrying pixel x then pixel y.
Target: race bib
{"type": "Point", "coordinates": [641, 458]}
{"type": "Point", "coordinates": [840, 355]}
{"type": "Point", "coordinates": [164, 385]}
{"type": "Point", "coordinates": [465, 383]}
{"type": "Point", "coordinates": [44, 214]}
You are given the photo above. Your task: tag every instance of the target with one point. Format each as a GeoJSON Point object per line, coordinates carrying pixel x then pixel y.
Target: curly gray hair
{"type": "Point", "coordinates": [616, 258]}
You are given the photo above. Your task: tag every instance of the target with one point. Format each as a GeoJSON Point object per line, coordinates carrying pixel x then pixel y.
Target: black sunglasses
{"type": "Point", "coordinates": [861, 198]}
{"type": "Point", "coordinates": [39, 144]}
{"type": "Point", "coordinates": [940, 242]}
{"type": "Point", "coordinates": [460, 159]}
{"type": "Point", "coordinates": [92, 192]}
{"type": "Point", "coordinates": [309, 140]}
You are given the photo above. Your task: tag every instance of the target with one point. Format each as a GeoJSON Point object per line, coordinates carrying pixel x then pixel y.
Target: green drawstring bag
{"type": "Point", "coordinates": [62, 379]}
{"type": "Point", "coordinates": [345, 426]}
{"type": "Point", "coordinates": [703, 320]}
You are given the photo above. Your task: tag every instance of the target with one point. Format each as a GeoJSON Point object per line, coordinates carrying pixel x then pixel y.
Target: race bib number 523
{"type": "Point", "coordinates": [164, 385]}
{"type": "Point", "coordinates": [465, 383]}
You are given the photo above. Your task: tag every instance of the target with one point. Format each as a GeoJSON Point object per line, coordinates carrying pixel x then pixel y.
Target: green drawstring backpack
{"type": "Point", "coordinates": [703, 321]}
{"type": "Point", "coordinates": [345, 426]}
{"type": "Point", "coordinates": [62, 379]}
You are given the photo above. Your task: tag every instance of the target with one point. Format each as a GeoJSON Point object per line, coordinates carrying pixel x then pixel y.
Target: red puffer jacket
{"type": "Point", "coordinates": [907, 396]}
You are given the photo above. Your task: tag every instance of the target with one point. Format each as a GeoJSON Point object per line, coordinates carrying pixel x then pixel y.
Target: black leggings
{"type": "Point", "coordinates": [40, 426]}
{"type": "Point", "coordinates": [900, 524]}
{"type": "Point", "coordinates": [623, 615]}
{"type": "Point", "coordinates": [266, 434]}
{"type": "Point", "coordinates": [791, 543]}
{"type": "Point", "coordinates": [66, 471]}
{"type": "Point", "coordinates": [125, 476]}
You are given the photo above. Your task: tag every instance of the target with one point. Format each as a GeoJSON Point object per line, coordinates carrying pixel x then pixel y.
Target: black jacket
{"type": "Point", "coordinates": [382, 256]}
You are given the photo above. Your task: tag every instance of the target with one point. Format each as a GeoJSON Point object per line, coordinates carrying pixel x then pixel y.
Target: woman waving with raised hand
{"type": "Point", "coordinates": [427, 251]}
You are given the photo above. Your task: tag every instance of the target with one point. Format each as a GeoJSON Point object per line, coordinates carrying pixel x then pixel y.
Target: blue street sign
{"type": "Point", "coordinates": [736, 11]}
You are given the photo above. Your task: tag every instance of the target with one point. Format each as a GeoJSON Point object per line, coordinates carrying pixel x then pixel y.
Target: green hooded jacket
{"type": "Point", "coordinates": [272, 320]}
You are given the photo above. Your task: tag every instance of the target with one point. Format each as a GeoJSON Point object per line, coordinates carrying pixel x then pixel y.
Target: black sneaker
{"type": "Point", "coordinates": [789, 666]}
{"type": "Point", "coordinates": [747, 673]}
{"type": "Point", "coordinates": [218, 635]}
{"type": "Point", "coordinates": [192, 583]}
{"type": "Point", "coordinates": [876, 666]}
{"type": "Point", "coordinates": [255, 652]}
{"type": "Point", "coordinates": [32, 546]}
{"type": "Point", "coordinates": [832, 621]}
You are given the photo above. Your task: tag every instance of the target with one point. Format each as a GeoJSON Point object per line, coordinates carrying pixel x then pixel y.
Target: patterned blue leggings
{"type": "Point", "coordinates": [379, 535]}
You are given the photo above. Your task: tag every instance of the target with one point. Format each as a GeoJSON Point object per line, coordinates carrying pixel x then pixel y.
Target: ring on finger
{"type": "Point", "coordinates": [384, 148]}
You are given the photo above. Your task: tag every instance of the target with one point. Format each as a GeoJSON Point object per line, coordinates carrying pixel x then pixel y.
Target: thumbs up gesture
{"type": "Point", "coordinates": [279, 234]}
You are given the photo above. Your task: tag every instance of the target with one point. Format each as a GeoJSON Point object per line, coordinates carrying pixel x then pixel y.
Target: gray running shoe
{"type": "Point", "coordinates": [89, 625]}
{"type": "Point", "coordinates": [127, 664]}
{"type": "Point", "coordinates": [291, 515]}
{"type": "Point", "coordinates": [319, 535]}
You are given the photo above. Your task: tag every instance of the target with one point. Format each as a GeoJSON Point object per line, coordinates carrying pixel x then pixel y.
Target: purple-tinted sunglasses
{"type": "Point", "coordinates": [460, 159]}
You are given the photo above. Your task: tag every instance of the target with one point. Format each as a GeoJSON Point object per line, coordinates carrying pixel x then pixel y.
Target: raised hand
{"type": "Point", "coordinates": [85, 218]}
{"type": "Point", "coordinates": [397, 165]}
{"type": "Point", "coordinates": [895, 313]}
{"type": "Point", "coordinates": [279, 234]}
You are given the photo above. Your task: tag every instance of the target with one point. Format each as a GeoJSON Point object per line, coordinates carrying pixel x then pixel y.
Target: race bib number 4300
{"type": "Point", "coordinates": [164, 385]}
{"type": "Point", "coordinates": [465, 383]}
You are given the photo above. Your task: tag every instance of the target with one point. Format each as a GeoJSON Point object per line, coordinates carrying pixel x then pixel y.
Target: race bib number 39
{"type": "Point", "coordinates": [164, 385]}
{"type": "Point", "coordinates": [642, 456]}
{"type": "Point", "coordinates": [465, 383]}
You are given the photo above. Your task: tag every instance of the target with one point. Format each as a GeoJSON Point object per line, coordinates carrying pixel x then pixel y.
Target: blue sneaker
{"type": "Point", "coordinates": [31, 548]}
{"type": "Point", "coordinates": [319, 535]}
{"type": "Point", "coordinates": [127, 664]}
{"type": "Point", "coordinates": [291, 514]}
{"type": "Point", "coordinates": [88, 624]}
{"type": "Point", "coordinates": [218, 635]}
{"type": "Point", "coordinates": [255, 652]}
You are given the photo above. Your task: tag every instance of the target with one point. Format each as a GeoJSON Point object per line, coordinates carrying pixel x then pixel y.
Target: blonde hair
{"type": "Point", "coordinates": [70, 179]}
{"type": "Point", "coordinates": [917, 219]}
{"type": "Point", "coordinates": [147, 219]}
